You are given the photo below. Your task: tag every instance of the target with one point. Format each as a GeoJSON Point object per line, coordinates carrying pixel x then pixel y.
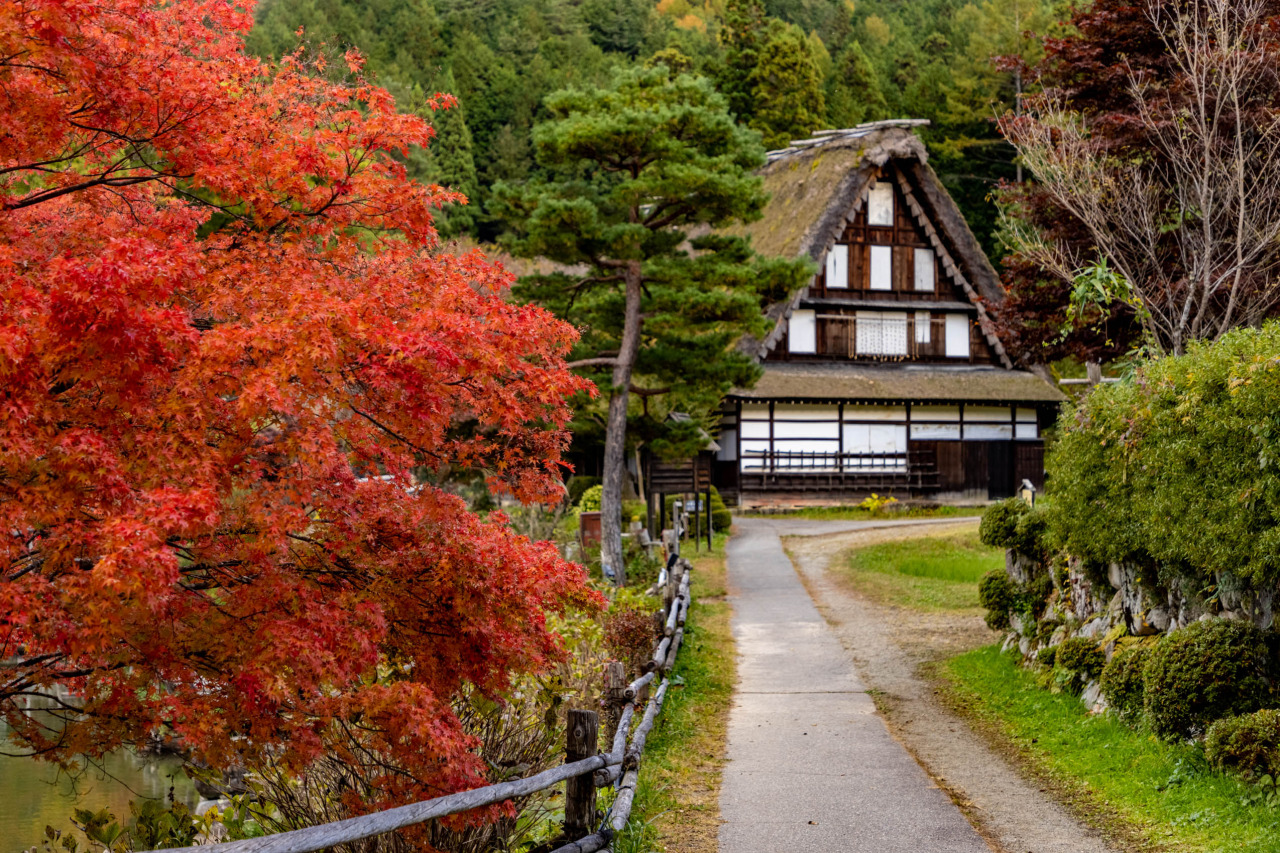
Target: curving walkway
{"type": "Point", "coordinates": [811, 765]}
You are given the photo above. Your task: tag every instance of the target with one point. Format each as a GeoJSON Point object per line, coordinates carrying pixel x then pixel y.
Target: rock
{"type": "Point", "coordinates": [1024, 646]}
{"type": "Point", "coordinates": [1009, 642]}
{"type": "Point", "coordinates": [1115, 574]}
{"type": "Point", "coordinates": [1093, 699]}
{"type": "Point", "coordinates": [1058, 636]}
{"type": "Point", "coordinates": [1096, 628]}
{"type": "Point", "coordinates": [1158, 619]}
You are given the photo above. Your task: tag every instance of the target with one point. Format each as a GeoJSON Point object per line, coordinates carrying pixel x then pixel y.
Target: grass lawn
{"type": "Point", "coordinates": [854, 513]}
{"type": "Point", "coordinates": [677, 805]}
{"type": "Point", "coordinates": [1162, 795]}
{"type": "Point", "coordinates": [930, 573]}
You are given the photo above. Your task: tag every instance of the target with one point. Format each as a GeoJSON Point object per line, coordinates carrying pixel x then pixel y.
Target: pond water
{"type": "Point", "coordinates": [33, 794]}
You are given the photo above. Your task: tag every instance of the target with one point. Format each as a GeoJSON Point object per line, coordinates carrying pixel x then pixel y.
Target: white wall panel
{"type": "Point", "coordinates": [838, 267]}
{"type": "Point", "coordinates": [875, 413]}
{"type": "Point", "coordinates": [924, 270]}
{"type": "Point", "coordinates": [935, 432]}
{"type": "Point", "coordinates": [882, 268]}
{"type": "Point", "coordinates": [957, 336]}
{"type": "Point", "coordinates": [1026, 416]}
{"type": "Point", "coordinates": [880, 204]}
{"type": "Point", "coordinates": [987, 432]}
{"type": "Point", "coordinates": [988, 414]}
{"type": "Point", "coordinates": [935, 413]}
{"type": "Point", "coordinates": [1028, 430]}
{"type": "Point", "coordinates": [802, 332]}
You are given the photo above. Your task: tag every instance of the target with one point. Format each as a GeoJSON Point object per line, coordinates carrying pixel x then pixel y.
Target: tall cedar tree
{"type": "Point", "coordinates": [221, 311]}
{"type": "Point", "coordinates": [1132, 135]}
{"type": "Point", "coordinates": [641, 165]}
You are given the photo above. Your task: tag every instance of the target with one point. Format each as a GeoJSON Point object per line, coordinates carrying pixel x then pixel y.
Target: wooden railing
{"type": "Point", "coordinates": [802, 461]}
{"type": "Point", "coordinates": [619, 767]}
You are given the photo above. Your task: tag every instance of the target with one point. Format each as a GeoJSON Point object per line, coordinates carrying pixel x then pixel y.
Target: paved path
{"type": "Point", "coordinates": [811, 766]}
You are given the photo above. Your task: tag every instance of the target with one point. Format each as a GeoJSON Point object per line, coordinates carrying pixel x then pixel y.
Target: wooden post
{"type": "Point", "coordinates": [698, 515]}
{"type": "Point", "coordinates": [580, 791]}
{"type": "Point", "coordinates": [710, 529]}
{"type": "Point", "coordinates": [615, 692]}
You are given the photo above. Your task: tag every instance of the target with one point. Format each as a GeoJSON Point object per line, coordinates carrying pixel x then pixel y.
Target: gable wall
{"type": "Point", "coordinates": [884, 301]}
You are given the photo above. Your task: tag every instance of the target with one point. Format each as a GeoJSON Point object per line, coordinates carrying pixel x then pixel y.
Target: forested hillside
{"type": "Point", "coordinates": [787, 67]}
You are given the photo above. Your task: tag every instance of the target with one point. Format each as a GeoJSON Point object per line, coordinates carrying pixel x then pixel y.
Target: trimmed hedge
{"type": "Point", "coordinates": [997, 593]}
{"type": "Point", "coordinates": [1202, 673]}
{"type": "Point", "coordinates": [1122, 682]}
{"type": "Point", "coordinates": [1248, 744]}
{"type": "Point", "coordinates": [721, 517]}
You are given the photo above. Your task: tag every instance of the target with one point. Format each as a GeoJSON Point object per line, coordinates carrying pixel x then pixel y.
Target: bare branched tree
{"type": "Point", "coordinates": [1190, 218]}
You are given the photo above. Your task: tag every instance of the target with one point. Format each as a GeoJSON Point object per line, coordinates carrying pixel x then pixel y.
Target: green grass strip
{"type": "Point", "coordinates": [1164, 793]}
{"type": "Point", "coordinates": [927, 573]}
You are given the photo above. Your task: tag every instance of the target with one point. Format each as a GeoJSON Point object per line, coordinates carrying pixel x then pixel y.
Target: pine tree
{"type": "Point", "coordinates": [638, 166]}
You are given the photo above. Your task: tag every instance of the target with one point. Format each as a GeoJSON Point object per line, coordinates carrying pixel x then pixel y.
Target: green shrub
{"type": "Point", "coordinates": [999, 527]}
{"type": "Point", "coordinates": [721, 517]}
{"type": "Point", "coordinates": [590, 500]}
{"type": "Point", "coordinates": [1079, 660]}
{"type": "Point", "coordinates": [998, 594]}
{"type": "Point", "coordinates": [633, 511]}
{"type": "Point", "coordinates": [1122, 681]}
{"type": "Point", "coordinates": [1031, 533]}
{"type": "Point", "coordinates": [1151, 471]}
{"type": "Point", "coordinates": [1046, 656]}
{"type": "Point", "coordinates": [578, 485]}
{"type": "Point", "coordinates": [1202, 673]}
{"type": "Point", "coordinates": [1248, 744]}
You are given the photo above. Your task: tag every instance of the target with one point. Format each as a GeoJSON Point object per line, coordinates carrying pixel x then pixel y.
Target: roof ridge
{"type": "Point", "coordinates": [822, 137]}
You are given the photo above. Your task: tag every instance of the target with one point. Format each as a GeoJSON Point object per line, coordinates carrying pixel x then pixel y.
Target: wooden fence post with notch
{"type": "Point", "coordinates": [580, 791]}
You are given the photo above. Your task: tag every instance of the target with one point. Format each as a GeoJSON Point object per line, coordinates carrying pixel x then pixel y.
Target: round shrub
{"type": "Point", "coordinates": [1122, 682]}
{"type": "Point", "coordinates": [1248, 744]}
{"type": "Point", "coordinates": [996, 592]}
{"type": "Point", "coordinates": [1209, 670]}
{"type": "Point", "coordinates": [1030, 533]}
{"type": "Point", "coordinates": [999, 527]}
{"type": "Point", "coordinates": [590, 500]}
{"type": "Point", "coordinates": [579, 484]}
{"type": "Point", "coordinates": [1081, 655]}
{"type": "Point", "coordinates": [1046, 656]}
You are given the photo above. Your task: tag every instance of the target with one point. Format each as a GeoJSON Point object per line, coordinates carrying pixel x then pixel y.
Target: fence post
{"type": "Point", "coordinates": [615, 692]}
{"type": "Point", "coordinates": [580, 791]}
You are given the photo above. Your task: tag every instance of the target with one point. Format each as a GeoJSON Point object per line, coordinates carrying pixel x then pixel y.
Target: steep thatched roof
{"type": "Point", "coordinates": [916, 383]}
{"type": "Point", "coordinates": [816, 187]}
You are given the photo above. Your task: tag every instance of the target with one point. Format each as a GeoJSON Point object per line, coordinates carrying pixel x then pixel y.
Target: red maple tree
{"type": "Point", "coordinates": [228, 342]}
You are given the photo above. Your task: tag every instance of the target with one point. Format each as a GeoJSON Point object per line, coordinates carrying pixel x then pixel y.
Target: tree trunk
{"type": "Point", "coordinates": [615, 441]}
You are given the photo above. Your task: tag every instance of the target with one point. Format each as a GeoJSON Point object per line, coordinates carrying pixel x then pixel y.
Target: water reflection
{"type": "Point", "coordinates": [33, 794]}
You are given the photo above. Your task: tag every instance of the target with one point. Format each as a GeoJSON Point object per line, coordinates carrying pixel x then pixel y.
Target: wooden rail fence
{"type": "Point", "coordinates": [584, 771]}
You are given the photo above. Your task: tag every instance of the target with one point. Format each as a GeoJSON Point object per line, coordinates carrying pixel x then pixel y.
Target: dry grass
{"type": "Point", "coordinates": [678, 803]}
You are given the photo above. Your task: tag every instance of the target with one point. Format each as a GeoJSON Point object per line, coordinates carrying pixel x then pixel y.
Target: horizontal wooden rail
{"type": "Point", "coordinates": [314, 838]}
{"type": "Point", "coordinates": [620, 764]}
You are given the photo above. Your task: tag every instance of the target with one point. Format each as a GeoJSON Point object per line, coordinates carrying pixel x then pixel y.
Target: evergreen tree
{"type": "Point", "coordinates": [853, 91]}
{"type": "Point", "coordinates": [451, 163]}
{"type": "Point", "coordinates": [742, 38]}
{"type": "Point", "coordinates": [637, 167]}
{"type": "Point", "coordinates": [786, 87]}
